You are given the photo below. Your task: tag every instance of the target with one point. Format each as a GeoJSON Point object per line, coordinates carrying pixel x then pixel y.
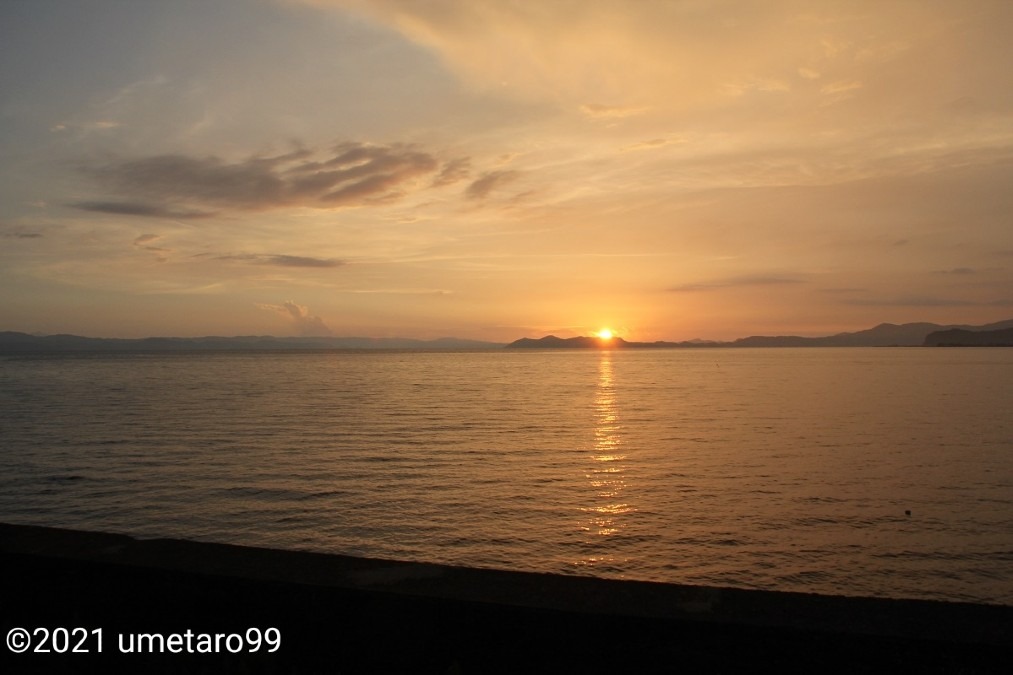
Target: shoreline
{"type": "Point", "coordinates": [337, 613]}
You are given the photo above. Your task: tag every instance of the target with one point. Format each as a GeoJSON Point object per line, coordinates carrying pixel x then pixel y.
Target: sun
{"type": "Point", "coordinates": [605, 334]}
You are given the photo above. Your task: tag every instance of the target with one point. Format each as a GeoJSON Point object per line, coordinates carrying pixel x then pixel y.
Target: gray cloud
{"type": "Point", "coordinates": [140, 209]}
{"type": "Point", "coordinates": [307, 325]}
{"type": "Point", "coordinates": [844, 290]}
{"type": "Point", "coordinates": [733, 283]}
{"type": "Point", "coordinates": [282, 260]}
{"type": "Point", "coordinates": [910, 301]}
{"type": "Point", "coordinates": [170, 186]}
{"type": "Point", "coordinates": [480, 188]}
{"type": "Point", "coordinates": [20, 234]}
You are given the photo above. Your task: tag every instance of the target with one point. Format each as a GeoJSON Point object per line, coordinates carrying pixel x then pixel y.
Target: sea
{"type": "Point", "coordinates": [883, 472]}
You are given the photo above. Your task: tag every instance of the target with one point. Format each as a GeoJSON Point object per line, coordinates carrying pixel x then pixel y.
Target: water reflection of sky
{"type": "Point", "coordinates": [605, 515]}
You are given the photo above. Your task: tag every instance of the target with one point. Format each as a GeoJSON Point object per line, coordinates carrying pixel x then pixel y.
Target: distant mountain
{"type": "Point", "coordinates": [956, 337]}
{"type": "Point", "coordinates": [583, 342]}
{"type": "Point", "coordinates": [883, 335]}
{"type": "Point", "coordinates": [13, 342]}
{"type": "Point", "coordinates": [553, 342]}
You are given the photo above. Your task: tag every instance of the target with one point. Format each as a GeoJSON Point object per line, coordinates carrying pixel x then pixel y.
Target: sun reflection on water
{"type": "Point", "coordinates": [607, 473]}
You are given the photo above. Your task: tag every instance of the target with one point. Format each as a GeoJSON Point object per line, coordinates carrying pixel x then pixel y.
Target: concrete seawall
{"type": "Point", "coordinates": [344, 614]}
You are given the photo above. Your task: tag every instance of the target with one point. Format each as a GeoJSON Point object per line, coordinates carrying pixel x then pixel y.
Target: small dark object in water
{"type": "Point", "coordinates": [907, 512]}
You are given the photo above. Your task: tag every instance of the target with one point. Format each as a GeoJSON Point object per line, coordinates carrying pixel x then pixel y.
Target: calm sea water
{"type": "Point", "coordinates": [777, 469]}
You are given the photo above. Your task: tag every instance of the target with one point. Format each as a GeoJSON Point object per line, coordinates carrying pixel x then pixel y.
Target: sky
{"type": "Point", "coordinates": [495, 169]}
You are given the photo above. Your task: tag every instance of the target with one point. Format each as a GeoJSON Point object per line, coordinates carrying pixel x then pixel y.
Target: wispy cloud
{"type": "Point", "coordinates": [840, 87]}
{"type": "Point", "coordinates": [281, 260]}
{"type": "Point", "coordinates": [146, 242]}
{"type": "Point", "coordinates": [610, 111]}
{"type": "Point", "coordinates": [401, 291]}
{"type": "Point", "coordinates": [140, 209]}
{"type": "Point", "coordinates": [20, 234]}
{"type": "Point", "coordinates": [97, 125]}
{"type": "Point", "coordinates": [490, 181]}
{"type": "Point", "coordinates": [652, 144]}
{"type": "Point", "coordinates": [734, 283]}
{"type": "Point", "coordinates": [146, 239]}
{"type": "Point", "coordinates": [453, 171]}
{"type": "Point", "coordinates": [956, 271]}
{"type": "Point", "coordinates": [751, 84]}
{"type": "Point", "coordinates": [911, 301]}
{"type": "Point", "coordinates": [843, 291]}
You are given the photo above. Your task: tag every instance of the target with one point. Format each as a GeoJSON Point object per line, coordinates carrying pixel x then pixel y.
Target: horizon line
{"type": "Point", "coordinates": [619, 338]}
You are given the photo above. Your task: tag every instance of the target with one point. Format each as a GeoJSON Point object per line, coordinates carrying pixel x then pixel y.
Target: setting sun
{"type": "Point", "coordinates": [605, 334]}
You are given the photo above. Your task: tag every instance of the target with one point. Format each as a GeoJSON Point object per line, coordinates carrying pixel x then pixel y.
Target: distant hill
{"type": "Point", "coordinates": [583, 342]}
{"type": "Point", "coordinates": [883, 335]}
{"type": "Point", "coordinates": [13, 342]}
{"type": "Point", "coordinates": [553, 342]}
{"type": "Point", "coordinates": [956, 337]}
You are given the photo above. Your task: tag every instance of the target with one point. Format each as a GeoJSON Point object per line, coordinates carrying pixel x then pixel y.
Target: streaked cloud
{"type": "Point", "coordinates": [840, 87]}
{"type": "Point", "coordinates": [756, 84]}
{"type": "Point", "coordinates": [734, 282]}
{"type": "Point", "coordinates": [653, 144]}
{"type": "Point", "coordinates": [453, 171]}
{"type": "Point", "coordinates": [912, 301]}
{"type": "Point", "coordinates": [400, 291]}
{"type": "Point", "coordinates": [146, 239]}
{"type": "Point", "coordinates": [20, 234]}
{"type": "Point", "coordinates": [610, 111]}
{"type": "Point", "coordinates": [492, 180]}
{"type": "Point", "coordinates": [174, 186]}
{"type": "Point", "coordinates": [281, 260]}
{"type": "Point", "coordinates": [843, 291]}
{"type": "Point", "coordinates": [147, 242]}
{"type": "Point", "coordinates": [141, 209]}
{"type": "Point", "coordinates": [98, 125]}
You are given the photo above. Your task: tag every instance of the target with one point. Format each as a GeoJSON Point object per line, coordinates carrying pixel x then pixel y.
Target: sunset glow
{"type": "Point", "coordinates": [605, 334]}
{"type": "Point", "coordinates": [492, 170]}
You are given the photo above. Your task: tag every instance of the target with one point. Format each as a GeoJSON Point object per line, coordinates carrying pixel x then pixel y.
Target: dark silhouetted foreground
{"type": "Point", "coordinates": [340, 614]}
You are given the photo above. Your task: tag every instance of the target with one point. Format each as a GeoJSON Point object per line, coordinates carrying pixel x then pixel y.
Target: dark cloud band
{"type": "Point", "coordinates": [734, 283]}
{"type": "Point", "coordinates": [140, 209]}
{"type": "Point", "coordinates": [282, 260]}
{"type": "Point", "coordinates": [181, 186]}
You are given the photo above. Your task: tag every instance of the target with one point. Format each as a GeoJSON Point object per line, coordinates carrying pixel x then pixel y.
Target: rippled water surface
{"type": "Point", "coordinates": [778, 468]}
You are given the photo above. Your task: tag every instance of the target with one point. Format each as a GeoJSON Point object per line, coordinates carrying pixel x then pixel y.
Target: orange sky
{"type": "Point", "coordinates": [492, 170]}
